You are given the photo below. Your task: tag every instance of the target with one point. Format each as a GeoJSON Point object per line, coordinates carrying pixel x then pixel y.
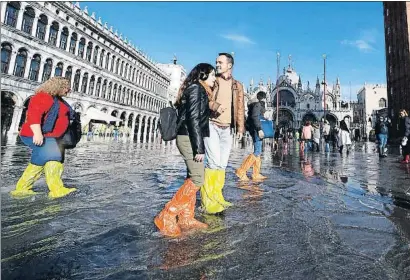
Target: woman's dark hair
{"type": "Point", "coordinates": [199, 72]}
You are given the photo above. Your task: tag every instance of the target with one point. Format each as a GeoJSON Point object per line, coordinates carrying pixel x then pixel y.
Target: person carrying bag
{"type": "Point", "coordinates": [48, 132]}
{"type": "Point", "coordinates": [254, 126]}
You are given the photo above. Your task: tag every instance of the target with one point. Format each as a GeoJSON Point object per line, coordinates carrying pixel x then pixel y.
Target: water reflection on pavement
{"type": "Point", "coordinates": [317, 217]}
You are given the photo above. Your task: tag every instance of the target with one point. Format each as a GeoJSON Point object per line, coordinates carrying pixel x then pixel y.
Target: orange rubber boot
{"type": "Point", "coordinates": [247, 163]}
{"type": "Point", "coordinates": [256, 174]}
{"type": "Point", "coordinates": [166, 221]}
{"type": "Point", "coordinates": [186, 218]}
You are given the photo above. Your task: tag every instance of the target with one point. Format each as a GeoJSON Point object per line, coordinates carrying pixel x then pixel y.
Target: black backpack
{"type": "Point", "coordinates": [168, 123]}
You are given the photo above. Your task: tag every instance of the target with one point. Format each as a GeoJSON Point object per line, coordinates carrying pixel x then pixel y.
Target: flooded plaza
{"type": "Point", "coordinates": [339, 217]}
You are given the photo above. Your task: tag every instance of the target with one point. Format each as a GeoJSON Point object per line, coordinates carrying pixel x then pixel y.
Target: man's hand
{"type": "Point", "coordinates": [239, 135]}
{"type": "Point", "coordinates": [221, 110]}
{"type": "Point", "coordinates": [261, 134]}
{"type": "Point", "coordinates": [199, 158]}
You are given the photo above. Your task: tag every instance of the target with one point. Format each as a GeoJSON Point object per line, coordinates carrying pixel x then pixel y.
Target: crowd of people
{"type": "Point", "coordinates": [211, 111]}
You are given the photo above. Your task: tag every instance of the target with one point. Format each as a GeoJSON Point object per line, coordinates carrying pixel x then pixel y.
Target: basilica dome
{"type": "Point", "coordinates": [289, 75]}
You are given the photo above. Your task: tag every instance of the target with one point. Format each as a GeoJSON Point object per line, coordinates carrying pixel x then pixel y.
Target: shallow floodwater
{"type": "Point", "coordinates": [322, 217]}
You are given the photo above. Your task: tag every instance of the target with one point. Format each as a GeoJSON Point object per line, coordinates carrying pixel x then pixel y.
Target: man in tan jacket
{"type": "Point", "coordinates": [228, 115]}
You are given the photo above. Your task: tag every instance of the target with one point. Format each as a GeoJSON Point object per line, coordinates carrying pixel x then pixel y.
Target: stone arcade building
{"type": "Point", "coordinates": [40, 40]}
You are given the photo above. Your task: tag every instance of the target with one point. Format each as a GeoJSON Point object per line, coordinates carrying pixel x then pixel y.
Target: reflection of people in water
{"type": "Point", "coordinates": [307, 168]}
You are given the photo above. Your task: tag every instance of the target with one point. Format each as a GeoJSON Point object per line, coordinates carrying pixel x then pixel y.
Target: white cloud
{"type": "Point", "coordinates": [238, 38]}
{"type": "Point", "coordinates": [365, 42]}
{"type": "Point", "coordinates": [362, 45]}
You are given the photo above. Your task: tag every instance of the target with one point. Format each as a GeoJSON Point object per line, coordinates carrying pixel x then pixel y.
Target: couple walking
{"type": "Point", "coordinates": [212, 102]}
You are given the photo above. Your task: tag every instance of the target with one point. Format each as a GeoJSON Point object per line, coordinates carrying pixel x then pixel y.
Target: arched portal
{"type": "Point", "coordinates": [154, 121]}
{"type": "Point", "coordinates": [286, 119]}
{"type": "Point", "coordinates": [332, 119]}
{"type": "Point", "coordinates": [8, 102]}
{"type": "Point", "coordinates": [23, 114]}
{"type": "Point", "coordinates": [137, 125]}
{"type": "Point", "coordinates": [143, 123]}
{"type": "Point", "coordinates": [123, 118]}
{"type": "Point", "coordinates": [309, 117]}
{"type": "Point", "coordinates": [286, 98]}
{"type": "Point", "coordinates": [148, 129]}
{"type": "Point", "coordinates": [130, 118]}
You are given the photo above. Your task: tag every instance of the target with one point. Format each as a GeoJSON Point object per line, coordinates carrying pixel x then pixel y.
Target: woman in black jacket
{"type": "Point", "coordinates": [193, 110]}
{"type": "Point", "coordinates": [256, 109]}
{"type": "Point", "coordinates": [405, 133]}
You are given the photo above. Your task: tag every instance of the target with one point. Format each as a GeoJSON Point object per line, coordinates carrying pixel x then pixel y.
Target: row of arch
{"type": "Point", "coordinates": [81, 47]}
{"type": "Point", "coordinates": [287, 118]}
{"type": "Point", "coordinates": [81, 81]}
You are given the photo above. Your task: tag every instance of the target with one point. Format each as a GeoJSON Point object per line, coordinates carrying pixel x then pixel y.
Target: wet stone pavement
{"type": "Point", "coordinates": [325, 217]}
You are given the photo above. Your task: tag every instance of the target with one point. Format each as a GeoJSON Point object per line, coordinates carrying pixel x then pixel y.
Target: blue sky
{"type": "Point", "coordinates": [350, 33]}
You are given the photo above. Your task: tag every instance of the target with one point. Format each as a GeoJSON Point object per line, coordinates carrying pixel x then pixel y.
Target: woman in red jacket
{"type": "Point", "coordinates": [47, 119]}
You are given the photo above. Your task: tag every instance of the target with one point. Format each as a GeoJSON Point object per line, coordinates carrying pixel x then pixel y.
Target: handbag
{"type": "Point", "coordinates": [267, 128]}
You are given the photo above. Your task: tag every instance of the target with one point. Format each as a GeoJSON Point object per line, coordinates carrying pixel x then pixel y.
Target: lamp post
{"type": "Point", "coordinates": [277, 88]}
{"type": "Point", "coordinates": [324, 86]}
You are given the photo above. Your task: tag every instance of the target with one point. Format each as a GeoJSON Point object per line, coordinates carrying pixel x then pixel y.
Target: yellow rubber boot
{"type": "Point", "coordinates": [256, 174]}
{"type": "Point", "coordinates": [208, 201]}
{"type": "Point", "coordinates": [218, 189]}
{"type": "Point", "coordinates": [247, 163]}
{"type": "Point", "coordinates": [25, 184]}
{"type": "Point", "coordinates": [53, 171]}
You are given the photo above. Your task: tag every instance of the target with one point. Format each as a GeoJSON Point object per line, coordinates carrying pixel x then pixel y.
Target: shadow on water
{"type": "Point", "coordinates": [317, 216]}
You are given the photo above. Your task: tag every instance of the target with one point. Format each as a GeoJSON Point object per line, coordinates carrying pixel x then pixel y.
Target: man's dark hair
{"type": "Point", "coordinates": [228, 56]}
{"type": "Point", "coordinates": [261, 95]}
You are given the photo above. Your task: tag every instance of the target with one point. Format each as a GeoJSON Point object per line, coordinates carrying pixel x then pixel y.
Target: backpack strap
{"type": "Point", "coordinates": [51, 116]}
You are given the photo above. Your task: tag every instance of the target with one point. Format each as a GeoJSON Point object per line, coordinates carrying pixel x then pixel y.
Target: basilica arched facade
{"type": "Point", "coordinates": [298, 103]}
{"type": "Point", "coordinates": [41, 40]}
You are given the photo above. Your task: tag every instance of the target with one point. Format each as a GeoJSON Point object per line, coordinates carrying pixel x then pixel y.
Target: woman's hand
{"type": "Point", "coordinates": [38, 139]}
{"type": "Point", "coordinates": [199, 158]}
{"type": "Point", "coordinates": [261, 134]}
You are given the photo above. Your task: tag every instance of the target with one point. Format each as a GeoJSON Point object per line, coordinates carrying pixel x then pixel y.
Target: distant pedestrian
{"type": "Point", "coordinates": [253, 125]}
{"type": "Point", "coordinates": [404, 129]}
{"type": "Point", "coordinates": [344, 137]}
{"type": "Point", "coordinates": [382, 133]}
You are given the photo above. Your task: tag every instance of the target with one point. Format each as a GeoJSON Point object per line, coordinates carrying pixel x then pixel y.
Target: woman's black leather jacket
{"type": "Point", "coordinates": [194, 110]}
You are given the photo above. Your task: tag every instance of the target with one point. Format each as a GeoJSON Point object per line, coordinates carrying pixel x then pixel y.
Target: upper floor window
{"type": "Point", "coordinates": [48, 66]}
{"type": "Point", "coordinates": [21, 60]}
{"type": "Point", "coordinates": [84, 83]}
{"type": "Point", "coordinates": [107, 61]}
{"type": "Point", "coordinates": [73, 43]}
{"type": "Point", "coordinates": [69, 73]}
{"type": "Point", "coordinates": [102, 58]}
{"type": "Point", "coordinates": [41, 27]}
{"type": "Point", "coordinates": [382, 103]}
{"type": "Point", "coordinates": [5, 57]}
{"type": "Point", "coordinates": [81, 48]}
{"type": "Point", "coordinates": [52, 39]}
{"type": "Point", "coordinates": [34, 68]}
{"type": "Point", "coordinates": [28, 19]}
{"type": "Point", "coordinates": [89, 50]}
{"type": "Point", "coordinates": [76, 84]}
{"type": "Point", "coordinates": [59, 70]}
{"type": "Point", "coordinates": [64, 38]}
{"type": "Point", "coordinates": [95, 55]}
{"type": "Point", "coordinates": [12, 13]}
